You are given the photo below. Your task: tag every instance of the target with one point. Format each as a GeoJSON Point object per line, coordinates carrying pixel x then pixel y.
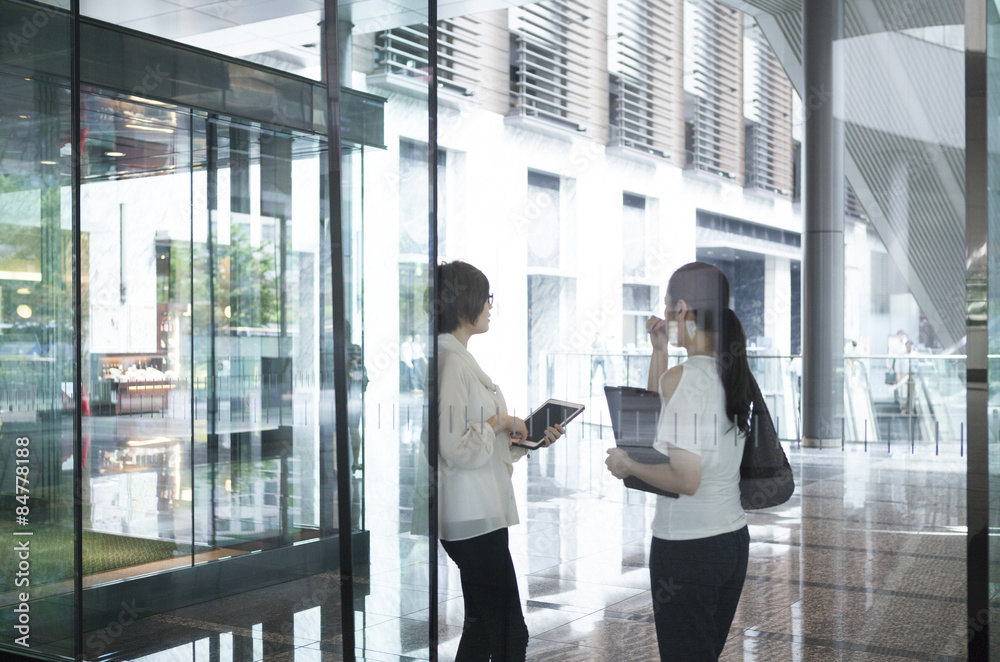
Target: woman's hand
{"type": "Point", "coordinates": [552, 433]}
{"type": "Point", "coordinates": [618, 463]}
{"type": "Point", "coordinates": [518, 430]}
{"type": "Point", "coordinates": [514, 426]}
{"type": "Point", "coordinates": [658, 331]}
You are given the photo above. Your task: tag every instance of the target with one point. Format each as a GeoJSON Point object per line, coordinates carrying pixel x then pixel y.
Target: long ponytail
{"type": "Point", "coordinates": [731, 355]}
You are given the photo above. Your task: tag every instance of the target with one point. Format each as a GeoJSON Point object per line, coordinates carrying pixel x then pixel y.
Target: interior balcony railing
{"type": "Point", "coordinates": [913, 403]}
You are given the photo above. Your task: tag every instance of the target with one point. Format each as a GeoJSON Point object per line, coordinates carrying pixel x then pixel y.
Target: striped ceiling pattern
{"type": "Point", "coordinates": [904, 111]}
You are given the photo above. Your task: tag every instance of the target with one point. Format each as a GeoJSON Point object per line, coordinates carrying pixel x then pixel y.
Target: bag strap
{"type": "Point", "coordinates": [761, 423]}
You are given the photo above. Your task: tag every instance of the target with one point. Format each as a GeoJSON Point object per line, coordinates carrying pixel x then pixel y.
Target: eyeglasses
{"type": "Point", "coordinates": [489, 299]}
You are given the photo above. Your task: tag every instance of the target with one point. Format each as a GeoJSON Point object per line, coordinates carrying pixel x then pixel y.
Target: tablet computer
{"type": "Point", "coordinates": [634, 416]}
{"type": "Point", "coordinates": [552, 412]}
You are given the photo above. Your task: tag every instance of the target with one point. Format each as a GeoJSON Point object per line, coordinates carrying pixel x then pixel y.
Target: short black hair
{"type": "Point", "coordinates": [462, 291]}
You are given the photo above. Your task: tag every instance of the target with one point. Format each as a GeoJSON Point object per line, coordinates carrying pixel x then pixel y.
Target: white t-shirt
{"type": "Point", "coordinates": [695, 420]}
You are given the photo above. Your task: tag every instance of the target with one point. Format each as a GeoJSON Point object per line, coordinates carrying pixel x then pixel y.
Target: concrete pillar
{"type": "Point", "coordinates": [823, 268]}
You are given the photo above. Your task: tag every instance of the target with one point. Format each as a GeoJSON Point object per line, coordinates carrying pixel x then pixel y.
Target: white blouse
{"type": "Point", "coordinates": [475, 494]}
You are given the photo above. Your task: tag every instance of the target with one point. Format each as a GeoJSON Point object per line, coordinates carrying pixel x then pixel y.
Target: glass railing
{"type": "Point", "coordinates": [914, 403]}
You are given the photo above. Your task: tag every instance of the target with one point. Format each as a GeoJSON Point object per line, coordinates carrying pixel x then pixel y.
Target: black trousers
{"type": "Point", "coordinates": [696, 586]}
{"type": "Point", "coordinates": [494, 623]}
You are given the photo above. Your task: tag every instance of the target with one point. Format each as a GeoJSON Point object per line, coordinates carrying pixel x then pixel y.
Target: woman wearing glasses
{"type": "Point", "coordinates": [475, 494]}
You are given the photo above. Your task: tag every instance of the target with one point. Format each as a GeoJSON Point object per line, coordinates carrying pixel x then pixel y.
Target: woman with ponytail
{"type": "Point", "coordinates": [698, 557]}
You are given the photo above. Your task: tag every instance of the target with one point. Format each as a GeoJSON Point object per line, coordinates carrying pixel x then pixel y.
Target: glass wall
{"type": "Point", "coordinates": [221, 279]}
{"type": "Point", "coordinates": [37, 332]}
{"type": "Point", "coordinates": [578, 172]}
{"type": "Point", "coordinates": [204, 396]}
{"type": "Point", "coordinates": [392, 217]}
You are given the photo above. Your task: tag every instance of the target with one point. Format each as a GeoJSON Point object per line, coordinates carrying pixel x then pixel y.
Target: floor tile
{"type": "Point", "coordinates": [865, 562]}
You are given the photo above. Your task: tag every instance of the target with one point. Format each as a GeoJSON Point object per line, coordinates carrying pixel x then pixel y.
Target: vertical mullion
{"type": "Point", "coordinates": [331, 62]}
{"type": "Point", "coordinates": [76, 178]}
{"type": "Point", "coordinates": [193, 393]}
{"type": "Point", "coordinates": [212, 202]}
{"type": "Point", "coordinates": [977, 329]}
{"type": "Point", "coordinates": [431, 382]}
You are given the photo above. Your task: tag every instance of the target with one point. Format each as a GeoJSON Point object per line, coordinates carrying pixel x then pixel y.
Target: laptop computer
{"type": "Point", "coordinates": [634, 415]}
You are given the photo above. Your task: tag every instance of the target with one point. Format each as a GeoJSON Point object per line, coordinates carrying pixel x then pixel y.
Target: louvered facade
{"type": "Point", "coordinates": [768, 109]}
{"type": "Point", "coordinates": [644, 61]}
{"type": "Point", "coordinates": [403, 52]}
{"type": "Point", "coordinates": [715, 81]}
{"type": "Point", "coordinates": [550, 65]}
{"type": "Point", "coordinates": [852, 206]}
{"type": "Point", "coordinates": [908, 174]}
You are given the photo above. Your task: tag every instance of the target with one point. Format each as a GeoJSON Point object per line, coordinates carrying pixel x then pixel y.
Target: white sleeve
{"type": "Point", "coordinates": [517, 452]}
{"type": "Point", "coordinates": [465, 438]}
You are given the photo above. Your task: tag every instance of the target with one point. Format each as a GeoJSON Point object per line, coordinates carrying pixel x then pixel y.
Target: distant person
{"type": "Point", "coordinates": [906, 379]}
{"type": "Point", "coordinates": [897, 349]}
{"type": "Point", "coordinates": [419, 364]}
{"type": "Point", "coordinates": [851, 354]}
{"type": "Point", "coordinates": [406, 364]}
{"type": "Point", "coordinates": [357, 383]}
{"type": "Point", "coordinates": [700, 549]}
{"type": "Point", "coordinates": [597, 350]}
{"type": "Point", "coordinates": [475, 493]}
{"type": "Point", "coordinates": [897, 343]}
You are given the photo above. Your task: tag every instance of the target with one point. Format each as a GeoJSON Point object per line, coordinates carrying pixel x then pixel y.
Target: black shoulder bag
{"type": "Point", "coordinates": [765, 476]}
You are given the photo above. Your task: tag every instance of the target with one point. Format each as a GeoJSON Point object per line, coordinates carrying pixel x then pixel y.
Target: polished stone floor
{"type": "Point", "coordinates": [865, 562]}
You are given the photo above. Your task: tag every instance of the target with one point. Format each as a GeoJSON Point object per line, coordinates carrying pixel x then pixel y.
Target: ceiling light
{"type": "Point", "coordinates": [24, 117]}
{"type": "Point", "coordinates": [144, 127]}
{"type": "Point", "coordinates": [114, 153]}
{"type": "Point", "coordinates": [151, 102]}
{"type": "Point", "coordinates": [149, 442]}
{"type": "Point", "coordinates": [47, 162]}
{"type": "Point", "coordinates": [24, 311]}
{"type": "Point", "coordinates": [23, 290]}
{"type": "Point", "coordinates": [21, 275]}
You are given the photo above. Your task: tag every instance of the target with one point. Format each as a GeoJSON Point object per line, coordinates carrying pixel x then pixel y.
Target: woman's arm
{"type": "Point", "coordinates": [682, 475]}
{"type": "Point", "coordinates": [657, 330]}
{"type": "Point", "coordinates": [658, 365]}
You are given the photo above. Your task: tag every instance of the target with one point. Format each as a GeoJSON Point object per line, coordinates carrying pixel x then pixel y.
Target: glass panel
{"type": "Point", "coordinates": [137, 368]}
{"type": "Point", "coordinates": [580, 229]}
{"type": "Point", "coordinates": [205, 307]}
{"type": "Point", "coordinates": [37, 333]}
{"type": "Point", "coordinates": [258, 311]}
{"type": "Point", "coordinates": [387, 228]}
{"type": "Point", "coordinates": [207, 400]}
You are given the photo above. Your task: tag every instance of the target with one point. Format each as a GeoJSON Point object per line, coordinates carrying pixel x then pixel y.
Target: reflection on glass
{"type": "Point", "coordinates": [36, 366]}
{"type": "Point", "coordinates": [201, 381]}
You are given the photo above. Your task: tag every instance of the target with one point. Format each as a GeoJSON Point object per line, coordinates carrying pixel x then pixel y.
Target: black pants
{"type": "Point", "coordinates": [494, 623]}
{"type": "Point", "coordinates": [696, 586]}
